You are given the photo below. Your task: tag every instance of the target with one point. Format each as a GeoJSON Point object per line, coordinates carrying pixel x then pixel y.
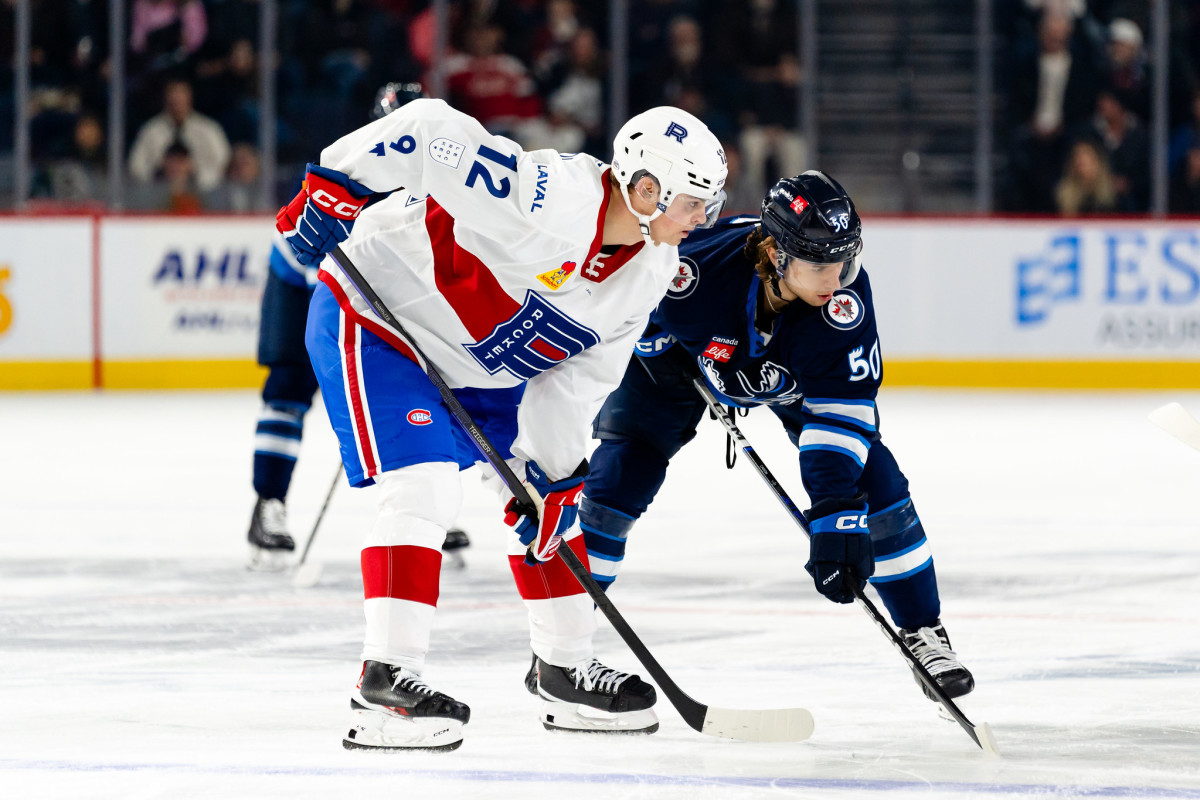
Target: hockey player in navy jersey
{"type": "Point", "coordinates": [526, 278]}
{"type": "Point", "coordinates": [775, 311]}
{"type": "Point", "coordinates": [288, 391]}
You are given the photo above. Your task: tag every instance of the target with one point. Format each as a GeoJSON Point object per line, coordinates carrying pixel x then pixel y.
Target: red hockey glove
{"type": "Point", "coordinates": [557, 510]}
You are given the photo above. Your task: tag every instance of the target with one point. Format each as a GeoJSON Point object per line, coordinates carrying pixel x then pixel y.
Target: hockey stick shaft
{"type": "Point", "coordinates": [772, 725]}
{"type": "Point", "coordinates": [863, 601]}
{"type": "Point", "coordinates": [320, 516]}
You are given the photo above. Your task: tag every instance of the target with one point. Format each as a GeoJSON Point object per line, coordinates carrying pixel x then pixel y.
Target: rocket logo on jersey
{"type": "Point", "coordinates": [555, 278]}
{"type": "Point", "coordinates": [685, 280]}
{"type": "Point", "coordinates": [844, 311]}
{"type": "Point", "coordinates": [720, 349]}
{"type": "Point", "coordinates": [536, 338]}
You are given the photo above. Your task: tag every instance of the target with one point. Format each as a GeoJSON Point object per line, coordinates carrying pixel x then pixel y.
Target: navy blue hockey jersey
{"type": "Point", "coordinates": [817, 368]}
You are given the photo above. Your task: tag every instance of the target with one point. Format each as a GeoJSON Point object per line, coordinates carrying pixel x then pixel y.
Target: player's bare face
{"type": "Point", "coordinates": [812, 283]}
{"type": "Point", "coordinates": [665, 230]}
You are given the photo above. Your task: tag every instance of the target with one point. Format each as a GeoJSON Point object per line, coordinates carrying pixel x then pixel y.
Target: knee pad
{"type": "Point", "coordinates": [417, 504]}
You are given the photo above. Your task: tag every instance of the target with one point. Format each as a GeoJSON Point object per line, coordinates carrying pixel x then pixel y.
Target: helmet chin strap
{"type": "Point", "coordinates": [643, 220]}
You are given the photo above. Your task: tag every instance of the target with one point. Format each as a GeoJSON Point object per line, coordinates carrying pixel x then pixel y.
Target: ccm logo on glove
{"type": "Point", "coordinates": [851, 522]}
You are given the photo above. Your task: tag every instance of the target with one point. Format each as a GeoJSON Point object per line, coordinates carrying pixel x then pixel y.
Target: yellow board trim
{"type": "Point", "coordinates": [230, 374]}
{"type": "Point", "coordinates": [24, 376]}
{"type": "Point", "coordinates": [244, 374]}
{"type": "Point", "coordinates": [1044, 374]}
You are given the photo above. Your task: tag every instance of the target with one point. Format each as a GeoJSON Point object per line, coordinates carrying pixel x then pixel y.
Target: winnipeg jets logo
{"type": "Point", "coordinates": [773, 385]}
{"type": "Point", "coordinates": [839, 221]}
{"type": "Point", "coordinates": [684, 281]}
{"type": "Point", "coordinates": [844, 310]}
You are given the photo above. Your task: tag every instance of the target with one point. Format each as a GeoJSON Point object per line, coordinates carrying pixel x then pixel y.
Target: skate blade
{"type": "Point", "coordinates": [557, 716]}
{"type": "Point", "coordinates": [376, 730]}
{"type": "Point", "coordinates": [262, 560]}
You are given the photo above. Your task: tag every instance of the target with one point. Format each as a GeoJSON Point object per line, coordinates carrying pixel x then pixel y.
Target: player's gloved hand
{"type": "Point", "coordinates": [322, 215]}
{"type": "Point", "coordinates": [840, 556]}
{"type": "Point", "coordinates": [557, 510]}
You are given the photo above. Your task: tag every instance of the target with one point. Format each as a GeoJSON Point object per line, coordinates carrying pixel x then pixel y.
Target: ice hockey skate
{"type": "Point", "coordinates": [393, 709]}
{"type": "Point", "coordinates": [271, 546]}
{"type": "Point", "coordinates": [592, 697]}
{"type": "Point", "coordinates": [456, 541]}
{"type": "Point", "coordinates": [931, 646]}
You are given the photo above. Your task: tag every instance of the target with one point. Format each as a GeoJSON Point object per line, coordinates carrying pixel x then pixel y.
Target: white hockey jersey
{"type": "Point", "coordinates": [490, 258]}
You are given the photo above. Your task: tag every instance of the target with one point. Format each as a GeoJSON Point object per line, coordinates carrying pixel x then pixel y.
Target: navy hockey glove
{"type": "Point", "coordinates": [840, 556]}
{"type": "Point", "coordinates": [557, 510]}
{"type": "Point", "coordinates": [322, 215]}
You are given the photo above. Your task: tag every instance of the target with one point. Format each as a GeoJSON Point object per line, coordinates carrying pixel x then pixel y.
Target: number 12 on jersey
{"type": "Point", "coordinates": [479, 171]}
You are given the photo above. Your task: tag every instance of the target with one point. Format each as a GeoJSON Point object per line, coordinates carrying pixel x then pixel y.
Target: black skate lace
{"type": "Point", "coordinates": [929, 648]}
{"type": "Point", "coordinates": [410, 682]}
{"type": "Point", "coordinates": [595, 676]}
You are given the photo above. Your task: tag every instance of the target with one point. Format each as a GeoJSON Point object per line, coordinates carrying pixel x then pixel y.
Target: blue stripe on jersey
{"type": "Point", "coordinates": [859, 413]}
{"type": "Point", "coordinates": [838, 440]}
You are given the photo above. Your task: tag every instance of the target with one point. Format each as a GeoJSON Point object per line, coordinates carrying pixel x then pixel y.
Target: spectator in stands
{"type": "Point", "coordinates": [760, 38]}
{"type": "Point", "coordinates": [1185, 184]}
{"type": "Point", "coordinates": [1186, 136]}
{"type": "Point", "coordinates": [1128, 148]}
{"type": "Point", "coordinates": [1126, 75]}
{"type": "Point", "coordinates": [1087, 185]}
{"type": "Point", "coordinates": [1053, 91]}
{"type": "Point", "coordinates": [240, 190]}
{"type": "Point", "coordinates": [489, 84]}
{"type": "Point", "coordinates": [174, 188]}
{"type": "Point", "coordinates": [201, 136]}
{"type": "Point", "coordinates": [164, 37]}
{"type": "Point", "coordinates": [81, 176]}
{"type": "Point", "coordinates": [574, 88]}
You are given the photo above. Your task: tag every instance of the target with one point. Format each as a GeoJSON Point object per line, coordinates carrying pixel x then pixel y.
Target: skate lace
{"type": "Point", "coordinates": [273, 517]}
{"type": "Point", "coordinates": [931, 650]}
{"type": "Point", "coordinates": [594, 676]}
{"type": "Point", "coordinates": [410, 682]}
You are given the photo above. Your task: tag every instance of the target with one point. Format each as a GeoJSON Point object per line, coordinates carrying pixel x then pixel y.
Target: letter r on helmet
{"type": "Point", "coordinates": [676, 130]}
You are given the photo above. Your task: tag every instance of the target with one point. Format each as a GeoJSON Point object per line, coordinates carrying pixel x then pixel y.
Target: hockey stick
{"type": "Point", "coordinates": [768, 725]}
{"type": "Point", "coordinates": [307, 574]}
{"type": "Point", "coordinates": [982, 734]}
{"type": "Point", "coordinates": [1175, 420]}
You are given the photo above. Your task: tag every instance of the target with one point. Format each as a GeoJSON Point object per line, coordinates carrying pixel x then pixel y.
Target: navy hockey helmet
{"type": "Point", "coordinates": [812, 218]}
{"type": "Point", "coordinates": [393, 95]}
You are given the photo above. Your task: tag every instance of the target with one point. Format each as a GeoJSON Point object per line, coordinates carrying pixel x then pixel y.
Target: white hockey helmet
{"type": "Point", "coordinates": [682, 155]}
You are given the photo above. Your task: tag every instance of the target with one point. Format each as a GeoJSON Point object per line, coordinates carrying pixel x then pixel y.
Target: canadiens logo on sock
{"type": "Point", "coordinates": [720, 349]}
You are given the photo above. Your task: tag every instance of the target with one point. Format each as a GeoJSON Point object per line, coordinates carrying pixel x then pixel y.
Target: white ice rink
{"type": "Point", "coordinates": [139, 659]}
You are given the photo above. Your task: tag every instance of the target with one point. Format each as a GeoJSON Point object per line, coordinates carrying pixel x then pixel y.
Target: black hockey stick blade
{"type": "Point", "coordinates": [771, 725]}
{"type": "Point", "coordinates": [981, 734]}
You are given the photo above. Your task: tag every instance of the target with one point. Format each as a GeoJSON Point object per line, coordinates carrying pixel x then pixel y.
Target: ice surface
{"type": "Point", "coordinates": [138, 658]}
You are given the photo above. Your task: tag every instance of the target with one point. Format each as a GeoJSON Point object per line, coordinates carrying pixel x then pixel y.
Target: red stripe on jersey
{"type": "Point", "coordinates": [377, 328]}
{"type": "Point", "coordinates": [548, 350]}
{"type": "Point", "coordinates": [405, 572]}
{"type": "Point", "coordinates": [466, 282]}
{"type": "Point", "coordinates": [552, 579]}
{"type": "Point", "coordinates": [354, 396]}
{"type": "Point", "coordinates": [598, 240]}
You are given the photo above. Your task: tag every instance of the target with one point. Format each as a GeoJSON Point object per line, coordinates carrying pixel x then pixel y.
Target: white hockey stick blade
{"type": "Point", "coordinates": [308, 575]}
{"type": "Point", "coordinates": [768, 725]}
{"type": "Point", "coordinates": [987, 740]}
{"type": "Point", "coordinates": [1175, 420]}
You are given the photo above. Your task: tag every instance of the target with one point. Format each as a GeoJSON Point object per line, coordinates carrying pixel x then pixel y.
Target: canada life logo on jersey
{"type": "Point", "coordinates": [685, 280]}
{"type": "Point", "coordinates": [844, 310]}
{"type": "Point", "coordinates": [419, 416]}
{"type": "Point", "coordinates": [720, 349]}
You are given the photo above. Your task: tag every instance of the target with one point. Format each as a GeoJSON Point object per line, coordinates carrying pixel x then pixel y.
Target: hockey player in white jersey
{"type": "Point", "coordinates": [526, 277]}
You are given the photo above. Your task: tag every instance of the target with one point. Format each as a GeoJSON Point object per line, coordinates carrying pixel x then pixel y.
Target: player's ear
{"type": "Point", "coordinates": [647, 189]}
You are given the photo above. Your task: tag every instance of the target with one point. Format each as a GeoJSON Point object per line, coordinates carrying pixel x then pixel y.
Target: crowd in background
{"type": "Point", "coordinates": [1074, 90]}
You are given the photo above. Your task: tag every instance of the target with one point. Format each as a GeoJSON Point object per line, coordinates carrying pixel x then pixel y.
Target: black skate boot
{"type": "Point", "coordinates": [456, 541]}
{"type": "Point", "coordinates": [931, 646]}
{"type": "Point", "coordinates": [270, 543]}
{"type": "Point", "coordinates": [395, 710]}
{"type": "Point", "coordinates": [593, 697]}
